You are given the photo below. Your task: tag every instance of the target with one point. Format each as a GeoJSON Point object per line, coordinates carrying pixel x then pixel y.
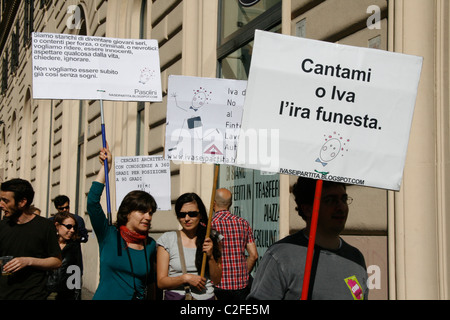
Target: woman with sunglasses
{"type": "Point", "coordinates": [127, 253]}
{"type": "Point", "coordinates": [57, 283]}
{"type": "Point", "coordinates": [192, 216]}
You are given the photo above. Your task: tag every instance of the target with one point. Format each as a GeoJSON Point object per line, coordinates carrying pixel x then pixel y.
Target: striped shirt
{"type": "Point", "coordinates": [236, 233]}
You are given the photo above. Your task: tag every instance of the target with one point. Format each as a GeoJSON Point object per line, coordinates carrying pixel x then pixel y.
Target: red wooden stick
{"type": "Point", "coordinates": [312, 239]}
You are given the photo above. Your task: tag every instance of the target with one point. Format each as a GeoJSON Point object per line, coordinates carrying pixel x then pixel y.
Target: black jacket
{"type": "Point", "coordinates": [58, 279]}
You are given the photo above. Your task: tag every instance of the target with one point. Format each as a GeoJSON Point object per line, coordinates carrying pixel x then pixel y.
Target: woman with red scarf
{"type": "Point", "coordinates": [127, 253]}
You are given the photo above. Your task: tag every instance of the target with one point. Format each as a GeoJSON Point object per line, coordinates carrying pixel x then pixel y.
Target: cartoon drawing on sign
{"type": "Point", "coordinates": [146, 75]}
{"type": "Point", "coordinates": [334, 145]}
{"type": "Point", "coordinates": [193, 121]}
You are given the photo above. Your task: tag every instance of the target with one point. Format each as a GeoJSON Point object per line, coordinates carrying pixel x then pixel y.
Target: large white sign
{"type": "Point", "coordinates": [203, 119]}
{"type": "Point", "coordinates": [330, 112]}
{"type": "Point", "coordinates": [92, 68]}
{"type": "Point", "coordinates": [146, 173]}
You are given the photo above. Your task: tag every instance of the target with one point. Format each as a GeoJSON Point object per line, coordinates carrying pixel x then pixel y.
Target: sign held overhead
{"type": "Point", "coordinates": [95, 68]}
{"type": "Point", "coordinates": [203, 119]}
{"type": "Point", "coordinates": [340, 113]}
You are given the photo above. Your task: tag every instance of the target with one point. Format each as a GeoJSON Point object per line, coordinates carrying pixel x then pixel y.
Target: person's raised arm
{"type": "Point", "coordinates": [104, 154]}
{"type": "Point", "coordinates": [94, 208]}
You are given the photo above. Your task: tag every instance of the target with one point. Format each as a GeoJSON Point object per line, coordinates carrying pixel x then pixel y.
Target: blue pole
{"type": "Point", "coordinates": [108, 198]}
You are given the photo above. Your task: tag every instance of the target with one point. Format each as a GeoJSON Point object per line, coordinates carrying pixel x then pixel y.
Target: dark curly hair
{"type": "Point", "coordinates": [22, 189]}
{"type": "Point", "coordinates": [304, 190]}
{"type": "Point", "coordinates": [136, 200]}
{"type": "Point", "coordinates": [60, 200]}
{"type": "Point", "coordinates": [201, 230]}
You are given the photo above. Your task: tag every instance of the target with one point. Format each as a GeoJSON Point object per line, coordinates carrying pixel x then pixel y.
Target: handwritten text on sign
{"type": "Point", "coordinates": [146, 173]}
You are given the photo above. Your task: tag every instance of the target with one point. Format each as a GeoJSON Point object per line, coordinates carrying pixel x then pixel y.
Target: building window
{"type": "Point", "coordinates": [13, 147]}
{"type": "Point", "coordinates": [15, 49]}
{"type": "Point", "coordinates": [5, 73]}
{"type": "Point", "coordinates": [2, 151]}
{"type": "Point", "coordinates": [236, 17]}
{"type": "Point", "coordinates": [45, 4]}
{"type": "Point", "coordinates": [28, 22]}
{"type": "Point", "coordinates": [237, 25]}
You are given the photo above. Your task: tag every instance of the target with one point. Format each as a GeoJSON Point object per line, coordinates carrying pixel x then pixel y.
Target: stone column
{"type": "Point", "coordinates": [416, 233]}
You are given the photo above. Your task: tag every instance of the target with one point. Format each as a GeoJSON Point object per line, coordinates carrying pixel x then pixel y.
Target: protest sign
{"type": "Point", "coordinates": [146, 173]}
{"type": "Point", "coordinates": [203, 119]}
{"type": "Point", "coordinates": [266, 210]}
{"type": "Point", "coordinates": [255, 197]}
{"type": "Point", "coordinates": [336, 112]}
{"type": "Point", "coordinates": [95, 68]}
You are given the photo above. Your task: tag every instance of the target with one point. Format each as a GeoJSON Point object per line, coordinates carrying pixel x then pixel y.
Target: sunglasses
{"type": "Point", "coordinates": [191, 214]}
{"type": "Point", "coordinates": [69, 226]}
{"type": "Point", "coordinates": [63, 208]}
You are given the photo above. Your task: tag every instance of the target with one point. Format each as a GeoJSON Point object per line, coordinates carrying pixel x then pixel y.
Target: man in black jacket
{"type": "Point", "coordinates": [30, 239]}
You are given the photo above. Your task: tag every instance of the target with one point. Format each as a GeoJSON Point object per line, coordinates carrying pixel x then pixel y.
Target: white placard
{"type": "Point", "coordinates": [203, 119]}
{"type": "Point", "coordinates": [328, 111]}
{"type": "Point", "coordinates": [92, 68]}
{"type": "Point", "coordinates": [146, 173]}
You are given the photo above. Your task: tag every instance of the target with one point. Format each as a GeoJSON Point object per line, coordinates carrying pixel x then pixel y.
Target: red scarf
{"type": "Point", "coordinates": [131, 236]}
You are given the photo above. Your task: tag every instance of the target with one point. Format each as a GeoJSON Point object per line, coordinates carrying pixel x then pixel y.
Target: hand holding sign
{"type": "Point", "coordinates": [104, 158]}
{"type": "Point", "coordinates": [103, 174]}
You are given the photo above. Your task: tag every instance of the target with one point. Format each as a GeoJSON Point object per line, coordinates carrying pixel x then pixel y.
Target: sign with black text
{"type": "Point", "coordinates": [146, 173]}
{"type": "Point", "coordinates": [335, 112]}
{"type": "Point", "coordinates": [203, 119]}
{"type": "Point", "coordinates": [255, 198]}
{"type": "Point", "coordinates": [77, 67]}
